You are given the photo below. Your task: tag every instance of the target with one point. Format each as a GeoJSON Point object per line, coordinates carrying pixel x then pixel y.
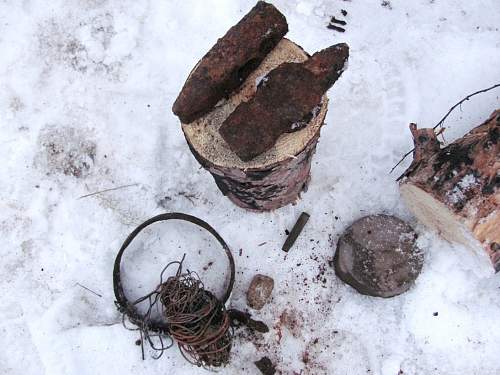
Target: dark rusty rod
{"type": "Point", "coordinates": [230, 61]}
{"type": "Point", "coordinates": [295, 232]}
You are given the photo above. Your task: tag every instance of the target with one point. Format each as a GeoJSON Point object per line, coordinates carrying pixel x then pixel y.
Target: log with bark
{"type": "Point", "coordinates": [455, 189]}
{"type": "Point", "coordinates": [277, 176]}
{"type": "Point", "coordinates": [252, 109]}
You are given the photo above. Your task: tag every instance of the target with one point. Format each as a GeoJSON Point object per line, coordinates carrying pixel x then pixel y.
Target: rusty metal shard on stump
{"type": "Point", "coordinates": [230, 61]}
{"type": "Point", "coordinates": [285, 99]}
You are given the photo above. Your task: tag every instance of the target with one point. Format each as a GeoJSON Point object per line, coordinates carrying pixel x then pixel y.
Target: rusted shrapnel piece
{"type": "Point", "coordinates": [265, 366]}
{"type": "Point", "coordinates": [230, 61]}
{"type": "Point", "coordinates": [246, 319]}
{"type": "Point", "coordinates": [285, 101]}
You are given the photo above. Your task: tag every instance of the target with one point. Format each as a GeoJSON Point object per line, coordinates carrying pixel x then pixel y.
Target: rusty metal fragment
{"type": "Point", "coordinates": [295, 232]}
{"type": "Point", "coordinates": [285, 100]}
{"type": "Point", "coordinates": [266, 366]}
{"type": "Point", "coordinates": [243, 318]}
{"type": "Point", "coordinates": [230, 61]}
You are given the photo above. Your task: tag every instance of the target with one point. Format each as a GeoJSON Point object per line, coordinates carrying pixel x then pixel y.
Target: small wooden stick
{"type": "Point", "coordinates": [90, 290]}
{"type": "Point", "coordinates": [295, 232]}
{"type": "Point", "coordinates": [142, 345]}
{"type": "Point", "coordinates": [106, 190]}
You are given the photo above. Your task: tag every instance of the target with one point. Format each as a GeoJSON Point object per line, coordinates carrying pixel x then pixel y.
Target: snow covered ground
{"type": "Point", "coordinates": [86, 88]}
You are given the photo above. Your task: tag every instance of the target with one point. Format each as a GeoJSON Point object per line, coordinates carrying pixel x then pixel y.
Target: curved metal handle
{"type": "Point", "coordinates": [122, 303]}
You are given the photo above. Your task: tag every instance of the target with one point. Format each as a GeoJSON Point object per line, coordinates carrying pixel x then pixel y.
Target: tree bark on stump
{"type": "Point", "coordinates": [455, 189]}
{"type": "Point", "coordinates": [276, 177]}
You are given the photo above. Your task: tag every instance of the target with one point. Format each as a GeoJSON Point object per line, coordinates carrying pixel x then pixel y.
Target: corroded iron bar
{"type": "Point", "coordinates": [230, 61]}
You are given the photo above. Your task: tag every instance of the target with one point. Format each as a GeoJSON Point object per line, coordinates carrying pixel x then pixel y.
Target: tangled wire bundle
{"type": "Point", "coordinates": [191, 316]}
{"type": "Point", "coordinates": [198, 321]}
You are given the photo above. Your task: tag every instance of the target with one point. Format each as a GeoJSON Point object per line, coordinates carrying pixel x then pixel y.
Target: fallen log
{"type": "Point", "coordinates": [455, 189]}
{"type": "Point", "coordinates": [274, 178]}
{"type": "Point", "coordinates": [285, 101]}
{"type": "Point", "coordinates": [230, 61]}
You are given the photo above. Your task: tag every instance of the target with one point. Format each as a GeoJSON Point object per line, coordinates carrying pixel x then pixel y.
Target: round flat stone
{"type": "Point", "coordinates": [377, 256]}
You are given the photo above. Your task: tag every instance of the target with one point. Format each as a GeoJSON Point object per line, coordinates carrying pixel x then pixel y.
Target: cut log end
{"type": "Point", "coordinates": [437, 216]}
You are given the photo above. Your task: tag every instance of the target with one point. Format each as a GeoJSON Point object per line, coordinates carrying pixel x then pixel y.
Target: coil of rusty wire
{"type": "Point", "coordinates": [192, 317]}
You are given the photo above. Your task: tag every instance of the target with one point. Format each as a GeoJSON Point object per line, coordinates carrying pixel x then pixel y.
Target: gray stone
{"type": "Point", "coordinates": [259, 291]}
{"type": "Point", "coordinates": [377, 256]}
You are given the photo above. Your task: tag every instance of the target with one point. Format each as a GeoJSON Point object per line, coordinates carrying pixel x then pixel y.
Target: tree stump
{"type": "Point", "coordinates": [455, 189]}
{"type": "Point", "coordinates": [276, 177]}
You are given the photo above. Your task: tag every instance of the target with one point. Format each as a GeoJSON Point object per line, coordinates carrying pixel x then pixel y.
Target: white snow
{"type": "Point", "coordinates": [262, 79]}
{"type": "Point", "coordinates": [87, 85]}
{"type": "Point", "coordinates": [466, 183]}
